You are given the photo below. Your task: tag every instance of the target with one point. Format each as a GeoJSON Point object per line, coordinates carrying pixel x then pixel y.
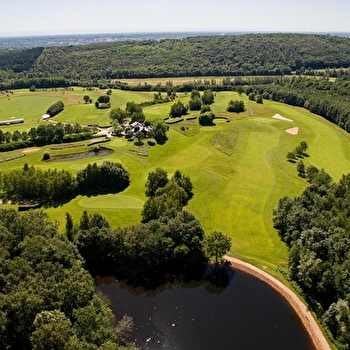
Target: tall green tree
{"type": "Point", "coordinates": [178, 109]}
{"type": "Point", "coordinates": [118, 114]}
{"type": "Point", "coordinates": [155, 180]}
{"type": "Point", "coordinates": [217, 244]}
{"type": "Point", "coordinates": [208, 97]}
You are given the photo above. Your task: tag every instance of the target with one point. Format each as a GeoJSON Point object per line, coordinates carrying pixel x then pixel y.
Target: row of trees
{"type": "Point", "coordinates": [315, 227]}
{"type": "Point", "coordinates": [196, 103]}
{"type": "Point", "coordinates": [103, 101]}
{"type": "Point", "coordinates": [133, 111]}
{"type": "Point", "coordinates": [56, 108]}
{"type": "Point", "coordinates": [298, 152]}
{"type": "Point", "coordinates": [48, 300]}
{"type": "Point", "coordinates": [44, 134]}
{"type": "Point", "coordinates": [30, 183]}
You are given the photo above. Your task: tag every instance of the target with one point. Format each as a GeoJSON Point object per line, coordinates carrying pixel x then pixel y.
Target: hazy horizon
{"type": "Point", "coordinates": [64, 17]}
{"type": "Point", "coordinates": [174, 32]}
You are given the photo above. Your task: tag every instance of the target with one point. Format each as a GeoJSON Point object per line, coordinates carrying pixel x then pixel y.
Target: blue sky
{"type": "Point", "coordinates": [40, 17]}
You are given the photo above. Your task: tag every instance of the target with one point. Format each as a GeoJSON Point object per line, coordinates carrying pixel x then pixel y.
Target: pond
{"type": "Point", "coordinates": [76, 156]}
{"type": "Point", "coordinates": [248, 314]}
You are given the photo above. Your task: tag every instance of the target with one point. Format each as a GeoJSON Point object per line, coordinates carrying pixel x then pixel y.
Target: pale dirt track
{"type": "Point", "coordinates": [300, 308]}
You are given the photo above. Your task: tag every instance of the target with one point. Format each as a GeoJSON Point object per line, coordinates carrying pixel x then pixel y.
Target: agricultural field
{"type": "Point", "coordinates": [238, 168]}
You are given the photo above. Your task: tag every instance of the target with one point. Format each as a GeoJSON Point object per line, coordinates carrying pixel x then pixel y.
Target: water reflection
{"type": "Point", "coordinates": [248, 314]}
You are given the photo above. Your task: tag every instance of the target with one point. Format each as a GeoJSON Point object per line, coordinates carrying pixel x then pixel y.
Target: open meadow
{"type": "Point", "coordinates": [239, 169]}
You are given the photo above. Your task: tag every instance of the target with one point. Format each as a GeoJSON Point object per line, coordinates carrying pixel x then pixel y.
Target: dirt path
{"type": "Point", "coordinates": [300, 308]}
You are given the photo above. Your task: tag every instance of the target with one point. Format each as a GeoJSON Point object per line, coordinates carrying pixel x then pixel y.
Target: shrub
{"type": "Point", "coordinates": [46, 155]}
{"type": "Point", "coordinates": [206, 118]}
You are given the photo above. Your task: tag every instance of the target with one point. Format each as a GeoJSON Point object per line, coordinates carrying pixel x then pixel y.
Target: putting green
{"type": "Point", "coordinates": [111, 201]}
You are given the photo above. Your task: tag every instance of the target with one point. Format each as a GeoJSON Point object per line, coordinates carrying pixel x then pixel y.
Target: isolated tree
{"type": "Point", "coordinates": [178, 109]}
{"type": "Point", "coordinates": [235, 106]}
{"type": "Point", "coordinates": [159, 129]}
{"type": "Point", "coordinates": [205, 108]}
{"type": "Point", "coordinates": [259, 98]}
{"type": "Point", "coordinates": [118, 114]}
{"type": "Point", "coordinates": [132, 107]}
{"type": "Point", "coordinates": [208, 97]}
{"type": "Point", "coordinates": [86, 98]}
{"type": "Point", "coordinates": [195, 104]}
{"type": "Point", "coordinates": [304, 146]}
{"type": "Point", "coordinates": [206, 118]}
{"type": "Point", "coordinates": [103, 99]}
{"type": "Point", "coordinates": [217, 244]}
{"type": "Point", "coordinates": [194, 94]}
{"type": "Point", "coordinates": [138, 117]}
{"type": "Point", "coordinates": [135, 112]}
{"type": "Point", "coordinates": [301, 168]}
{"type": "Point", "coordinates": [291, 156]}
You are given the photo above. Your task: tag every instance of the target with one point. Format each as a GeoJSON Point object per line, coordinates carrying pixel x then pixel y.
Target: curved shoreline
{"type": "Point", "coordinates": [311, 326]}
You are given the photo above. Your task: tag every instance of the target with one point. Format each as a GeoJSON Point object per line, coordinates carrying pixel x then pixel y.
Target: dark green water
{"type": "Point", "coordinates": [246, 315]}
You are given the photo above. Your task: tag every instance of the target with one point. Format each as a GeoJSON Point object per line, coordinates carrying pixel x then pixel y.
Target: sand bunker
{"type": "Point", "coordinates": [278, 116]}
{"type": "Point", "coordinates": [30, 150]}
{"type": "Point", "coordinates": [293, 131]}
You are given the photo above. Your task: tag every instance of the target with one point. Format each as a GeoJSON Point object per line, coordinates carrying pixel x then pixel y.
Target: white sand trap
{"type": "Point", "coordinates": [278, 116]}
{"type": "Point", "coordinates": [30, 150]}
{"type": "Point", "coordinates": [293, 131]}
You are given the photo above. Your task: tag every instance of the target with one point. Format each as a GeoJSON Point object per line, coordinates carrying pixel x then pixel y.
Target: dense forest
{"type": "Point", "coordinates": [315, 226]}
{"type": "Point", "coordinates": [228, 55]}
{"type": "Point", "coordinates": [47, 298]}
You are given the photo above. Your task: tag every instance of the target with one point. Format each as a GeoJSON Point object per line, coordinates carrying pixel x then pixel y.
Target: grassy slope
{"type": "Point", "coordinates": [233, 193]}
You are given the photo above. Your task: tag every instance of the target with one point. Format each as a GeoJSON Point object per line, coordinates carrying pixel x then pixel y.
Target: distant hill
{"type": "Point", "coordinates": [220, 55]}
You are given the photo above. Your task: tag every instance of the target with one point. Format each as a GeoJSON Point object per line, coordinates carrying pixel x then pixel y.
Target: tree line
{"type": "Point", "coordinates": [229, 55]}
{"type": "Point", "coordinates": [44, 134]}
{"type": "Point", "coordinates": [52, 185]}
{"type": "Point", "coordinates": [315, 227]}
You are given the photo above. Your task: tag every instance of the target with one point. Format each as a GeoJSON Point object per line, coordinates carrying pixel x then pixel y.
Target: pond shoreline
{"type": "Point", "coordinates": [311, 326]}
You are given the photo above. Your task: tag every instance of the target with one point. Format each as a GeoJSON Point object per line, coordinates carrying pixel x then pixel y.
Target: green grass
{"type": "Point", "coordinates": [239, 169]}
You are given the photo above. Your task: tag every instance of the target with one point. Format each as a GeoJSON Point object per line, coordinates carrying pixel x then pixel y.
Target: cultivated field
{"type": "Point", "coordinates": [239, 169]}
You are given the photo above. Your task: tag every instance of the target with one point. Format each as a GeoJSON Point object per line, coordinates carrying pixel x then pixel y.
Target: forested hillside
{"type": "Point", "coordinates": [251, 54]}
